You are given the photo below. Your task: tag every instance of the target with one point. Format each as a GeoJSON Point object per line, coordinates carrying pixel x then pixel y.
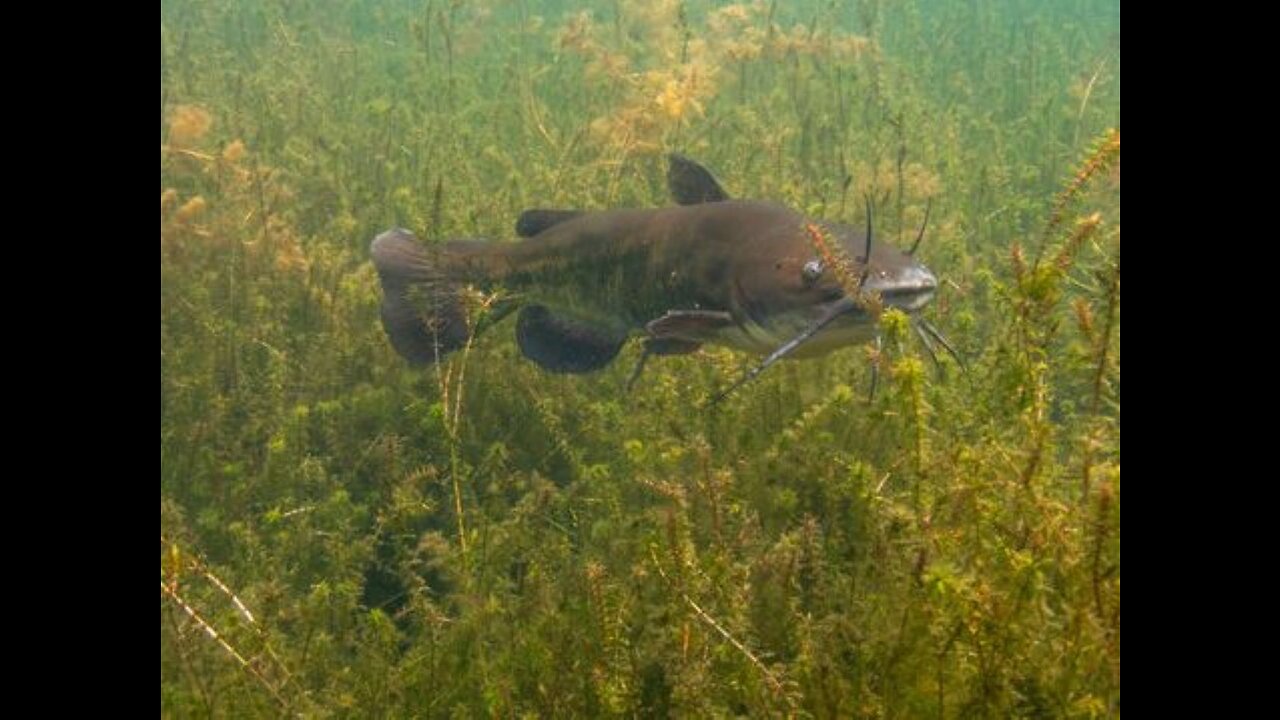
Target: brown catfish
{"type": "Point", "coordinates": [738, 273]}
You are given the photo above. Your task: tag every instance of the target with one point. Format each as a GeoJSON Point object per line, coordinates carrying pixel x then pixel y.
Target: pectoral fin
{"type": "Point", "coordinates": [563, 345]}
{"type": "Point", "coordinates": [679, 332]}
{"type": "Point", "coordinates": [697, 326]}
{"type": "Point", "coordinates": [660, 346]}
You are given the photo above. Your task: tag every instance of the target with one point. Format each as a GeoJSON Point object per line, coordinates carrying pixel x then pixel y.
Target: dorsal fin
{"type": "Point", "coordinates": [532, 222]}
{"type": "Point", "coordinates": [690, 183]}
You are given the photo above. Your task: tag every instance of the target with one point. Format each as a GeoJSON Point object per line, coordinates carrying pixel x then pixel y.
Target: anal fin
{"type": "Point", "coordinates": [564, 345]}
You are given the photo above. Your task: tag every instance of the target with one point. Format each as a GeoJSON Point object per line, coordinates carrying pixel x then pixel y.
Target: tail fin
{"type": "Point", "coordinates": [422, 310]}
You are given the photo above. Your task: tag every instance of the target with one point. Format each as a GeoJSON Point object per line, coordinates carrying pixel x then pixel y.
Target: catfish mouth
{"type": "Point", "coordinates": [909, 292]}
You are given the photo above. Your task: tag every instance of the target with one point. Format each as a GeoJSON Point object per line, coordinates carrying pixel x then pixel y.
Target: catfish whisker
{"type": "Point", "coordinates": [928, 346]}
{"type": "Point", "coordinates": [866, 260]}
{"type": "Point", "coordinates": [937, 335]}
{"type": "Point", "coordinates": [875, 371]}
{"type": "Point", "coordinates": [927, 207]}
{"type": "Point", "coordinates": [841, 308]}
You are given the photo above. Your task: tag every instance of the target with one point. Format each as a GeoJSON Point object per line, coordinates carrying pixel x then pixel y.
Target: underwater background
{"type": "Point", "coordinates": [343, 535]}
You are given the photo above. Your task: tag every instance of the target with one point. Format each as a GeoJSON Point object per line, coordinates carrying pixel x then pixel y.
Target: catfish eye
{"type": "Point", "coordinates": [811, 271]}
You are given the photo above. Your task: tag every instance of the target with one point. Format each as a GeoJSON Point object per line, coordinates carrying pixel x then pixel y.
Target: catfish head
{"type": "Point", "coordinates": [807, 290]}
{"type": "Point", "coordinates": [832, 279]}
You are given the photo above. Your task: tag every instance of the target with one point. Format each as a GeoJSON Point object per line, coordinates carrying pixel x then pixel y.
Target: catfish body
{"type": "Point", "coordinates": [738, 273]}
{"type": "Point", "coordinates": [622, 269]}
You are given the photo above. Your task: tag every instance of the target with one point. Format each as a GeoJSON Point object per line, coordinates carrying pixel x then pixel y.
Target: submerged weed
{"type": "Point", "coordinates": [342, 534]}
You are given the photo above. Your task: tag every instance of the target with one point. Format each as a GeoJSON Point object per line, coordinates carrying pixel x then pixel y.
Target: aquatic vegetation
{"type": "Point", "coordinates": [344, 535]}
{"type": "Point", "coordinates": [190, 123]}
{"type": "Point", "coordinates": [838, 262]}
{"type": "Point", "coordinates": [1105, 154]}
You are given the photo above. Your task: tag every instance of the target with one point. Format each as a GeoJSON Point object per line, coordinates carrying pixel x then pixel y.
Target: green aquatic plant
{"type": "Point", "coordinates": [483, 538]}
{"type": "Point", "coordinates": [1102, 158]}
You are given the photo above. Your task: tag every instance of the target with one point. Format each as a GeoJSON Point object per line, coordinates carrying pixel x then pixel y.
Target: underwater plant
{"type": "Point", "coordinates": [342, 534]}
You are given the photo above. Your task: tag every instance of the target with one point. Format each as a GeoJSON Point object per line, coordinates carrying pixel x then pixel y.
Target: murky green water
{"type": "Point", "coordinates": [483, 537]}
